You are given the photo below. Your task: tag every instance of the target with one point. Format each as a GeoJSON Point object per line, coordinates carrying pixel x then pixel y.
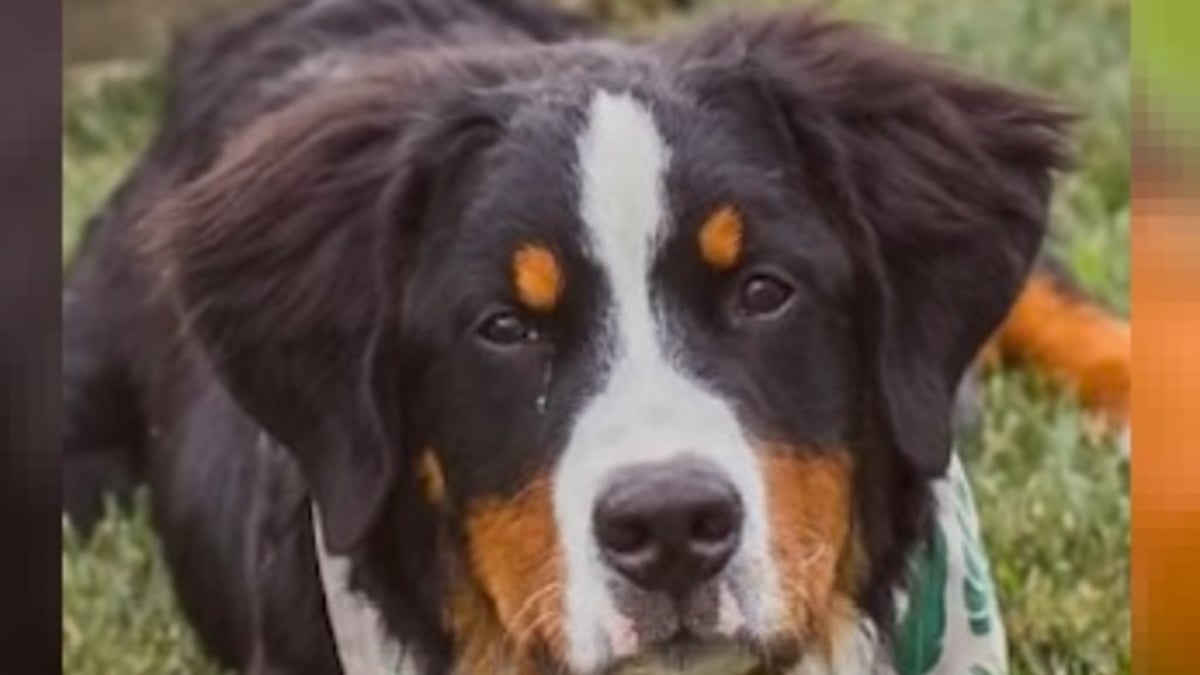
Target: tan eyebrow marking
{"type": "Point", "coordinates": [721, 238]}
{"type": "Point", "coordinates": [537, 277]}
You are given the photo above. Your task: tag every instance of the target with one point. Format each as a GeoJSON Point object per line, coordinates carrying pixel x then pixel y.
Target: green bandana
{"type": "Point", "coordinates": [950, 623]}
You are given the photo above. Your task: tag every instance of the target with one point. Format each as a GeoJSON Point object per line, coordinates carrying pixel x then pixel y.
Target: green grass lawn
{"type": "Point", "coordinates": [1053, 500]}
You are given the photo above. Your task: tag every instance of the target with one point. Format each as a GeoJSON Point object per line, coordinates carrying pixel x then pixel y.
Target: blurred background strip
{"type": "Point", "coordinates": [1166, 292]}
{"type": "Point", "coordinates": [104, 30]}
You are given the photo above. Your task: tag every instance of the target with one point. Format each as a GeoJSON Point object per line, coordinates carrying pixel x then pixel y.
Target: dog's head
{"type": "Point", "coordinates": [596, 354]}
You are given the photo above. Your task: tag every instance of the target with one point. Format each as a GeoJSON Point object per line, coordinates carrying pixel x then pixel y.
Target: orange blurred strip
{"type": "Point", "coordinates": [1166, 418]}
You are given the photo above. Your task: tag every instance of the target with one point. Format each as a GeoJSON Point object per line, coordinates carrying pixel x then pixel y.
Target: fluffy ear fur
{"type": "Point", "coordinates": [268, 257]}
{"type": "Point", "coordinates": [939, 181]}
{"type": "Point", "coordinates": [286, 259]}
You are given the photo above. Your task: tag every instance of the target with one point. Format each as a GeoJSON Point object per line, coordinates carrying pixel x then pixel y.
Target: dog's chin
{"type": "Point", "coordinates": [693, 656]}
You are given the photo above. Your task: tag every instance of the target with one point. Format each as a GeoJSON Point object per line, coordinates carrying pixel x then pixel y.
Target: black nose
{"type": "Point", "coordinates": [669, 526]}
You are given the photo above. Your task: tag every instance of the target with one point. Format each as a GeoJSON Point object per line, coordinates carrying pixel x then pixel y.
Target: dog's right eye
{"type": "Point", "coordinates": [506, 328]}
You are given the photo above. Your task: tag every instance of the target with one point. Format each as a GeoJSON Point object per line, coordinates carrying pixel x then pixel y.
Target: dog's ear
{"type": "Point", "coordinates": [282, 260]}
{"type": "Point", "coordinates": [938, 181]}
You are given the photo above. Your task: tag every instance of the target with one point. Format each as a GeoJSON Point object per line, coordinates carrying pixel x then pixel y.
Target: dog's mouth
{"type": "Point", "coordinates": [705, 632]}
{"type": "Point", "coordinates": [688, 654]}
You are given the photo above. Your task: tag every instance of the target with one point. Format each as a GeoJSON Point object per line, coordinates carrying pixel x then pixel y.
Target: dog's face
{"type": "Point", "coordinates": [635, 376]}
{"type": "Point", "coordinates": [656, 348]}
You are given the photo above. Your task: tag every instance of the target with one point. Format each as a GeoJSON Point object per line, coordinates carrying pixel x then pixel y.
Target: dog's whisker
{"type": "Point", "coordinates": [531, 603]}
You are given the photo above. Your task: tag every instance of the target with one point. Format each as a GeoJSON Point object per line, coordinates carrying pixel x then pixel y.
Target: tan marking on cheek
{"type": "Point", "coordinates": [481, 646]}
{"type": "Point", "coordinates": [478, 637]}
{"type": "Point", "coordinates": [852, 568]}
{"type": "Point", "coordinates": [516, 560]}
{"type": "Point", "coordinates": [537, 277]}
{"type": "Point", "coordinates": [809, 502]}
{"type": "Point", "coordinates": [433, 481]}
{"type": "Point", "coordinates": [721, 238]}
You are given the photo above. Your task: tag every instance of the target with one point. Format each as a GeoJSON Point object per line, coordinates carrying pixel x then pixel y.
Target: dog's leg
{"type": "Point", "coordinates": [1055, 329]}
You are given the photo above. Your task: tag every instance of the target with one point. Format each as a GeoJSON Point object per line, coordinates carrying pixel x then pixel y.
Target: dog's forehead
{"type": "Point", "coordinates": [593, 162]}
{"type": "Point", "coordinates": [605, 176]}
{"type": "Point", "coordinates": [622, 159]}
{"type": "Point", "coordinates": [651, 168]}
{"type": "Point", "coordinates": [587, 175]}
{"type": "Point", "coordinates": [577, 171]}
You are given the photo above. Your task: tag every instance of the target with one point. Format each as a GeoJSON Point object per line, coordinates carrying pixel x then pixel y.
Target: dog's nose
{"type": "Point", "coordinates": [669, 526]}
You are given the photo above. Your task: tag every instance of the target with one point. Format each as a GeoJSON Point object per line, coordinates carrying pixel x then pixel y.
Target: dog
{"type": "Point", "coordinates": [571, 355]}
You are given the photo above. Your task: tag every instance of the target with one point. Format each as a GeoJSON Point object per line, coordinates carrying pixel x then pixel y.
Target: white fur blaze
{"type": "Point", "coordinates": [647, 409]}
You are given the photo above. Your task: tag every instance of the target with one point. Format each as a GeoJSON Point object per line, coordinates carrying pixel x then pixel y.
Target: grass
{"type": "Point", "coordinates": [1053, 498]}
{"type": "Point", "coordinates": [119, 616]}
{"type": "Point", "coordinates": [109, 112]}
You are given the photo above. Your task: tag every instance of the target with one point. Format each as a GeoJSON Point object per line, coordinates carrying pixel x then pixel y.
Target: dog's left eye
{"type": "Point", "coordinates": [763, 294]}
{"type": "Point", "coordinates": [505, 328]}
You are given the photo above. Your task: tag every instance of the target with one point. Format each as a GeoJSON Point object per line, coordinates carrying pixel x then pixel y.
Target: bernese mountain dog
{"type": "Point", "coordinates": [567, 354]}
